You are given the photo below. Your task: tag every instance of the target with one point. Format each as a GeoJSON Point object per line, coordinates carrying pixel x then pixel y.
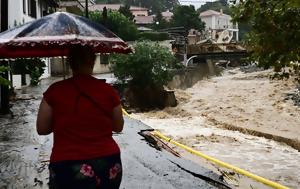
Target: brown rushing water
{"type": "Point", "coordinates": [246, 100]}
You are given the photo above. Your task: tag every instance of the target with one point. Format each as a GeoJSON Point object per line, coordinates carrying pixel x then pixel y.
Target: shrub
{"type": "Point", "coordinates": [153, 36]}
{"type": "Point", "coordinates": [149, 65]}
{"type": "Point", "coordinates": [3, 81]}
{"type": "Point", "coordinates": [34, 67]}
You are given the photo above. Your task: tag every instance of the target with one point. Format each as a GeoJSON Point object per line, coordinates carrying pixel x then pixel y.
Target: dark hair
{"type": "Point", "coordinates": [80, 55]}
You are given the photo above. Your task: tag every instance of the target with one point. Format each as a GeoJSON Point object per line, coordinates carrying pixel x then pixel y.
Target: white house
{"type": "Point", "coordinates": [167, 15]}
{"type": "Point", "coordinates": [18, 12]}
{"type": "Point", "coordinates": [217, 22]}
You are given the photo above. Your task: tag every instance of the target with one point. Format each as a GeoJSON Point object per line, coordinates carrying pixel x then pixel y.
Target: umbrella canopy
{"type": "Point", "coordinates": [53, 35]}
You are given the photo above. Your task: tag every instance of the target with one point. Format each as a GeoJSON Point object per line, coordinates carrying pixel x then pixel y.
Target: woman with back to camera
{"type": "Point", "coordinates": [82, 112]}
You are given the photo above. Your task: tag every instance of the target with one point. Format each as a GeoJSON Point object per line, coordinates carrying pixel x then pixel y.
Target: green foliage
{"type": "Point", "coordinates": [117, 23]}
{"type": "Point", "coordinates": [34, 67]}
{"type": "Point", "coordinates": [153, 36]}
{"type": "Point", "coordinates": [125, 10]}
{"type": "Point", "coordinates": [275, 36]}
{"type": "Point", "coordinates": [187, 17]}
{"type": "Point", "coordinates": [3, 81]}
{"type": "Point", "coordinates": [160, 22]}
{"type": "Point", "coordinates": [149, 65]}
{"type": "Point", "coordinates": [153, 5]}
{"type": "Point", "coordinates": [216, 6]}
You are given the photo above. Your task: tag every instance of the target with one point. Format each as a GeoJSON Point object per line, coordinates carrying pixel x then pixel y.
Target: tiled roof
{"type": "Point", "coordinates": [167, 14]}
{"type": "Point", "coordinates": [211, 13]}
{"type": "Point", "coordinates": [134, 8]}
{"type": "Point", "coordinates": [108, 6]}
{"type": "Point", "coordinates": [114, 7]}
{"type": "Point", "coordinates": [143, 19]}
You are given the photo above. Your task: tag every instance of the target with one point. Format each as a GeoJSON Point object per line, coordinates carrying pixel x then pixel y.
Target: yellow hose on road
{"type": "Point", "coordinates": [124, 112]}
{"type": "Point", "coordinates": [220, 163]}
{"type": "Point", "coordinates": [223, 164]}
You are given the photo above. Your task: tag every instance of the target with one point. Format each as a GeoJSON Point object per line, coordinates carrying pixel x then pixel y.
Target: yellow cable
{"type": "Point", "coordinates": [124, 112]}
{"type": "Point", "coordinates": [223, 164]}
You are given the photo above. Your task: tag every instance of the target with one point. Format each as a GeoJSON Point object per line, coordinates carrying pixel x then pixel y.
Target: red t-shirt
{"type": "Point", "coordinates": [81, 129]}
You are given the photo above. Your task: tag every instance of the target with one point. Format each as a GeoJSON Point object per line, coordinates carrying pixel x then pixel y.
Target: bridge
{"type": "Point", "coordinates": [224, 48]}
{"type": "Point", "coordinates": [210, 51]}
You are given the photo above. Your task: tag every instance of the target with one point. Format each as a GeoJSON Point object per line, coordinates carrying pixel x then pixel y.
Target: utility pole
{"type": "Point", "coordinates": [86, 8]}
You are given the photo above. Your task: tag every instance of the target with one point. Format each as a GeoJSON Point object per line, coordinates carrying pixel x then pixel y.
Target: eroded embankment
{"type": "Point", "coordinates": [290, 142]}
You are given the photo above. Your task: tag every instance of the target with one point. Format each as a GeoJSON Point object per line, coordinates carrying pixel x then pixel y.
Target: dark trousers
{"type": "Point", "coordinates": [103, 172]}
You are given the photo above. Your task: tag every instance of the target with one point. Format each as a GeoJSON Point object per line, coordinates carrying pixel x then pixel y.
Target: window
{"type": "Point", "coordinates": [32, 8]}
{"type": "Point", "coordinates": [104, 59]}
{"type": "Point", "coordinates": [24, 6]}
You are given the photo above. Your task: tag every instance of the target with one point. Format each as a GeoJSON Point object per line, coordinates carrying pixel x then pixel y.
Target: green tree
{"type": "Point", "coordinates": [149, 65]}
{"type": "Point", "coordinates": [125, 10]}
{"type": "Point", "coordinates": [153, 5]}
{"type": "Point", "coordinates": [187, 17]}
{"type": "Point", "coordinates": [108, 1]}
{"type": "Point", "coordinates": [275, 36]}
{"type": "Point", "coordinates": [117, 23]}
{"type": "Point", "coordinates": [160, 22]}
{"type": "Point", "coordinates": [3, 81]}
{"type": "Point", "coordinates": [216, 6]}
{"type": "Point", "coordinates": [34, 67]}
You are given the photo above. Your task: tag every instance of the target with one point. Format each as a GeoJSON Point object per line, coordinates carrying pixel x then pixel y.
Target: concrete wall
{"type": "Point", "coordinates": [101, 68]}
{"type": "Point", "coordinates": [56, 67]}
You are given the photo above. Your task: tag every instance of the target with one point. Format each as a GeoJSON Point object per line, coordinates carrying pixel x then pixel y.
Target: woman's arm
{"type": "Point", "coordinates": [44, 119]}
{"type": "Point", "coordinates": [118, 120]}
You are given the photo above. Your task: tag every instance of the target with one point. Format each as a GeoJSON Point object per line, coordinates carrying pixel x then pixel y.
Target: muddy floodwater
{"type": "Point", "coordinates": [225, 117]}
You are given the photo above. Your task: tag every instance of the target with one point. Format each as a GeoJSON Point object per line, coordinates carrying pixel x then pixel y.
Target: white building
{"type": "Point", "coordinates": [22, 11]}
{"type": "Point", "coordinates": [217, 22]}
{"type": "Point", "coordinates": [18, 12]}
{"type": "Point", "coordinates": [167, 15]}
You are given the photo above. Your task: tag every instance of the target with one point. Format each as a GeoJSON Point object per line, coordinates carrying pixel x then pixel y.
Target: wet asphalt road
{"type": "Point", "coordinates": [24, 155]}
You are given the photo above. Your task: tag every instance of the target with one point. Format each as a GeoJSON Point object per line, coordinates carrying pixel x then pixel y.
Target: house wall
{"type": "Point", "coordinates": [18, 14]}
{"type": "Point", "coordinates": [223, 22]}
{"type": "Point", "coordinates": [217, 22]}
{"type": "Point", "coordinates": [208, 22]}
{"type": "Point", "coordinates": [56, 67]}
{"type": "Point", "coordinates": [100, 68]}
{"type": "Point", "coordinates": [139, 12]}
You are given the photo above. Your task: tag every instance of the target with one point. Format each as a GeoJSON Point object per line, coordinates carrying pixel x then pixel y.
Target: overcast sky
{"type": "Point", "coordinates": [196, 3]}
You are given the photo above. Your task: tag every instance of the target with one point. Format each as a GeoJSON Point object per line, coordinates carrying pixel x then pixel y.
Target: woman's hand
{"type": "Point", "coordinates": [118, 120]}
